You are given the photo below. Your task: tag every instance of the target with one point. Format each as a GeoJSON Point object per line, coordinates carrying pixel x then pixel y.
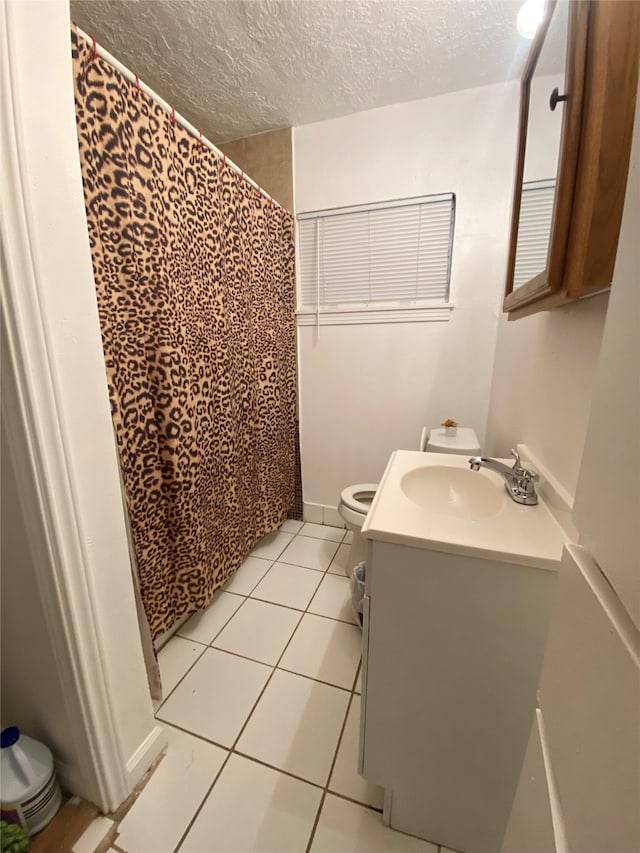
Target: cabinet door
{"type": "Point", "coordinates": [607, 503]}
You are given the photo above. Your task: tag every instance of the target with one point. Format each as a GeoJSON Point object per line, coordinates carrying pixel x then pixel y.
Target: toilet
{"type": "Point", "coordinates": [356, 500]}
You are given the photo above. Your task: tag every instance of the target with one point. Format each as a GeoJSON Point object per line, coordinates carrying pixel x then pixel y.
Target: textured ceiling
{"type": "Point", "coordinates": [239, 67]}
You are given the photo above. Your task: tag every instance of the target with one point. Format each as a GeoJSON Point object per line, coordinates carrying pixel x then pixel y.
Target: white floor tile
{"type": "Point", "coordinates": [254, 808]}
{"type": "Point", "coordinates": [340, 563]}
{"type": "Point", "coordinates": [259, 631]}
{"type": "Point", "coordinates": [310, 553]}
{"type": "Point", "coordinates": [291, 526]}
{"type": "Point", "coordinates": [291, 586]}
{"type": "Point", "coordinates": [174, 659]}
{"type": "Point", "coordinates": [345, 778]}
{"type": "Point", "coordinates": [333, 599]}
{"type": "Point", "coordinates": [348, 537]}
{"type": "Point", "coordinates": [158, 818]}
{"type": "Point", "coordinates": [324, 649]}
{"type": "Point", "coordinates": [322, 531]}
{"type": "Point", "coordinates": [216, 696]}
{"type": "Point", "coordinates": [248, 575]}
{"type": "Point", "coordinates": [94, 835]}
{"type": "Point", "coordinates": [204, 626]}
{"type": "Point", "coordinates": [358, 687]}
{"type": "Point", "coordinates": [345, 827]}
{"type": "Point", "coordinates": [272, 545]}
{"type": "Point", "coordinates": [296, 726]}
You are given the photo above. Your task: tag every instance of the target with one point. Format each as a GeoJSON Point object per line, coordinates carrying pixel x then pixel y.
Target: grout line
{"type": "Point", "coordinates": [306, 611]}
{"type": "Point", "coordinates": [332, 618]}
{"type": "Point", "coordinates": [321, 538]}
{"type": "Point", "coordinates": [329, 775]}
{"type": "Point", "coordinates": [308, 568]}
{"type": "Point", "coordinates": [355, 680]}
{"type": "Point", "coordinates": [317, 680]}
{"type": "Point", "coordinates": [191, 640]}
{"type": "Point", "coordinates": [359, 803]}
{"type": "Point", "coordinates": [196, 735]}
{"type": "Point", "coordinates": [182, 677]}
{"type": "Point", "coordinates": [246, 722]}
{"type": "Point", "coordinates": [204, 800]}
{"type": "Point", "coordinates": [235, 742]}
{"type": "Point", "coordinates": [276, 604]}
{"type": "Point", "coordinates": [255, 660]}
{"type": "Point", "coordinates": [176, 685]}
{"type": "Point", "coordinates": [263, 576]}
{"type": "Point", "coordinates": [249, 757]}
{"type": "Point", "coordinates": [232, 750]}
{"type": "Point", "coordinates": [277, 769]}
{"type": "Point", "coordinates": [246, 657]}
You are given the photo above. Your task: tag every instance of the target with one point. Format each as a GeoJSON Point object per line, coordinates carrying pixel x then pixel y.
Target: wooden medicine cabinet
{"type": "Point", "coordinates": [577, 107]}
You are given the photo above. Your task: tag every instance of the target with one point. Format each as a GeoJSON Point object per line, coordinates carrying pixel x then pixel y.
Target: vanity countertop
{"type": "Point", "coordinates": [507, 531]}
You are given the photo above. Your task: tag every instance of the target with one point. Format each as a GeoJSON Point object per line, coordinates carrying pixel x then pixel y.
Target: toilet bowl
{"type": "Point", "coordinates": [354, 505]}
{"type": "Point", "coordinates": [356, 500]}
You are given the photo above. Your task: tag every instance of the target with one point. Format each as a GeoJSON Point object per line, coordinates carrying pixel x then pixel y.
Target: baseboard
{"type": "Point", "coordinates": [70, 780]}
{"type": "Point", "coordinates": [322, 514]}
{"type": "Point", "coordinates": [145, 755]}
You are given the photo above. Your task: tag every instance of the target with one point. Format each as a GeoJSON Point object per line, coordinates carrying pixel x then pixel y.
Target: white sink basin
{"type": "Point", "coordinates": [434, 501]}
{"type": "Point", "coordinates": [457, 492]}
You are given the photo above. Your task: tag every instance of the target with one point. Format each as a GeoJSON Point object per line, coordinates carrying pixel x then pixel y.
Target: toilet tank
{"type": "Point", "coordinates": [464, 442]}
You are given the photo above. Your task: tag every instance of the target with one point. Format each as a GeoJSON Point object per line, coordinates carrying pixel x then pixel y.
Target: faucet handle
{"type": "Point", "coordinates": [523, 472]}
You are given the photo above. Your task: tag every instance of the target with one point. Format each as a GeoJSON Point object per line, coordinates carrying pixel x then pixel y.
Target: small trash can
{"type": "Point", "coordinates": [357, 590]}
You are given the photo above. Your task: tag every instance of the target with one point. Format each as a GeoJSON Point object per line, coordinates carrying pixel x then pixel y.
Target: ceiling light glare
{"type": "Point", "coordinates": [529, 18]}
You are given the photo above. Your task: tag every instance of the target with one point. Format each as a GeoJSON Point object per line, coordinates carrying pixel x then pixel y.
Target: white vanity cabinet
{"type": "Point", "coordinates": [453, 647]}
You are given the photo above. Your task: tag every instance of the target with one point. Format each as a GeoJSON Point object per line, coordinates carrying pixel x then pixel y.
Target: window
{"type": "Point", "coordinates": [534, 230]}
{"type": "Point", "coordinates": [376, 263]}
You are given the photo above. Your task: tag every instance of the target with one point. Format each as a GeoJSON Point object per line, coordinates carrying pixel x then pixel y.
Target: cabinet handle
{"type": "Point", "coordinates": [555, 99]}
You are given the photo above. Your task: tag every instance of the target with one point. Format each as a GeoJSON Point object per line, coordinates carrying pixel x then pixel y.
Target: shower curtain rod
{"type": "Point", "coordinates": [104, 54]}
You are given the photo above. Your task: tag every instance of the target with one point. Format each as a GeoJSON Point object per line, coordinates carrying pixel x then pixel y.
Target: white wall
{"type": "Point", "coordinates": [50, 180]}
{"type": "Point", "coordinates": [607, 505]}
{"type": "Point", "coordinates": [32, 690]}
{"type": "Point", "coordinates": [545, 364]}
{"type": "Point", "coordinates": [578, 409]}
{"type": "Point", "coordinates": [367, 390]}
{"type": "Point", "coordinates": [543, 383]}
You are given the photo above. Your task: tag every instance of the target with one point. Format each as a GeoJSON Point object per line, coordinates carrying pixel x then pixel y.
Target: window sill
{"type": "Point", "coordinates": [348, 315]}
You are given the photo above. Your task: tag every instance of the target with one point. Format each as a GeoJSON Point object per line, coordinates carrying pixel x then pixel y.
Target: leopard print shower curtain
{"type": "Point", "coordinates": [194, 274]}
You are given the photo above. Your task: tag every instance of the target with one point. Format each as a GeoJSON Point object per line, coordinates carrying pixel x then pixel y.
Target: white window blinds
{"type": "Point", "coordinates": [534, 230]}
{"type": "Point", "coordinates": [394, 253]}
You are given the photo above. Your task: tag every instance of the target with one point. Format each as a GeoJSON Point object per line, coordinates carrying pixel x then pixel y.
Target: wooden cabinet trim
{"type": "Point", "coordinates": [602, 76]}
{"type": "Point", "coordinates": [611, 80]}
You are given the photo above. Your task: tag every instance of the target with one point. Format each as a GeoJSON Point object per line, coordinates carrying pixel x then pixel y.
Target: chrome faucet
{"type": "Point", "coordinates": [518, 481]}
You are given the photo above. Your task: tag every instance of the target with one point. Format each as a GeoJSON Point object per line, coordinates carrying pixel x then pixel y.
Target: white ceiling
{"type": "Point", "coordinates": [238, 67]}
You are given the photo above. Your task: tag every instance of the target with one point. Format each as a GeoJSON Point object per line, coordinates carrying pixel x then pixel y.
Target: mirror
{"type": "Point", "coordinates": [547, 90]}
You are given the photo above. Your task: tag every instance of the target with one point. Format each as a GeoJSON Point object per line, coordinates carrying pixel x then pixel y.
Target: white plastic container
{"type": "Point", "coordinates": [29, 791]}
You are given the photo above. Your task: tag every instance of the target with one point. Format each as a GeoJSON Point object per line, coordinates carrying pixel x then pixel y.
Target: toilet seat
{"type": "Point", "coordinates": [358, 497]}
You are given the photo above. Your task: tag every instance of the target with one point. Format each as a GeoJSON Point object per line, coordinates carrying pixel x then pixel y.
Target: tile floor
{"type": "Point", "coordinates": [262, 712]}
